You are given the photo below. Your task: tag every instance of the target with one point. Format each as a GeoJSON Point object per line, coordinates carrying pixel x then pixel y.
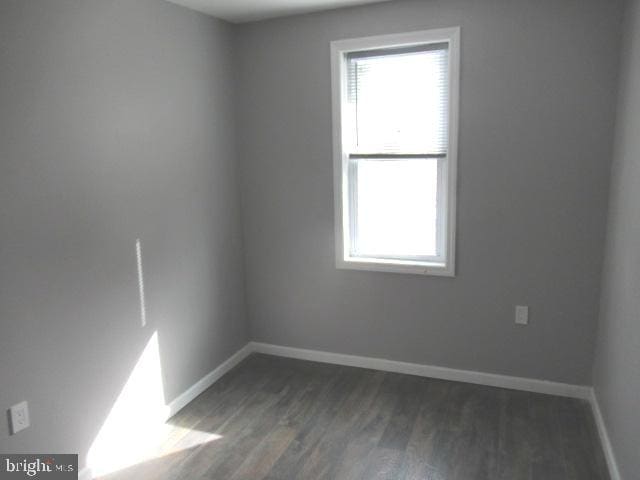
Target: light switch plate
{"type": "Point", "coordinates": [19, 417]}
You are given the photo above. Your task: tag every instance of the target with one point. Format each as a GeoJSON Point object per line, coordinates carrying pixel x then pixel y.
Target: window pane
{"type": "Point", "coordinates": [395, 208]}
{"type": "Point", "coordinates": [399, 102]}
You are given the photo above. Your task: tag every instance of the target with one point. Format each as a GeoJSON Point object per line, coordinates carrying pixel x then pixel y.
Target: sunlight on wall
{"type": "Point", "coordinates": [135, 417]}
{"type": "Point", "coordinates": [135, 429]}
{"type": "Point", "coordinates": [143, 307]}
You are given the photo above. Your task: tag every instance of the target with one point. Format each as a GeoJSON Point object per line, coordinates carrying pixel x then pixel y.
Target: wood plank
{"type": "Point", "coordinates": [311, 430]}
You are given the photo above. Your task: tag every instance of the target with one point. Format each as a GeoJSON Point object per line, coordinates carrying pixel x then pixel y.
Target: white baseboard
{"type": "Point", "coordinates": [209, 379]}
{"type": "Point", "coordinates": [614, 472]}
{"type": "Point", "coordinates": [444, 373]}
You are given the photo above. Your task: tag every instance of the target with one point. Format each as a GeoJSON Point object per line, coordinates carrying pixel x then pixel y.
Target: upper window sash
{"type": "Point", "coordinates": [397, 100]}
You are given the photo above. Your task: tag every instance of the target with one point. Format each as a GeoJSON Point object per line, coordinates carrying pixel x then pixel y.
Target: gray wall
{"type": "Point", "coordinates": [116, 123]}
{"type": "Point", "coordinates": [537, 103]}
{"type": "Point", "coordinates": [617, 366]}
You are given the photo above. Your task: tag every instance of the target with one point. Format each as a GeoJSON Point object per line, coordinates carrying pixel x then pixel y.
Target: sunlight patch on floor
{"type": "Point", "coordinates": [135, 430]}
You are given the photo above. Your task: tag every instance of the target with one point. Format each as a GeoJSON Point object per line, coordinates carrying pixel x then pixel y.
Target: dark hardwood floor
{"type": "Point", "coordinates": [275, 418]}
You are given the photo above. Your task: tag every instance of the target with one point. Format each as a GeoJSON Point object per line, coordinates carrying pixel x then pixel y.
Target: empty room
{"type": "Point", "coordinates": [320, 239]}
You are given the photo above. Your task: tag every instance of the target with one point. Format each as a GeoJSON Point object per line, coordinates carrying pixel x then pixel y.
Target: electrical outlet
{"type": "Point", "coordinates": [522, 315]}
{"type": "Point", "coordinates": [19, 417]}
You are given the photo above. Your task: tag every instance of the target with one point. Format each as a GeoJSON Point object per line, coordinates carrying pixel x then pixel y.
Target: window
{"type": "Point", "coordinates": [395, 101]}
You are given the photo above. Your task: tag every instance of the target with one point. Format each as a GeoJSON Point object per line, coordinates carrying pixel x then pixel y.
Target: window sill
{"type": "Point", "coordinates": [396, 266]}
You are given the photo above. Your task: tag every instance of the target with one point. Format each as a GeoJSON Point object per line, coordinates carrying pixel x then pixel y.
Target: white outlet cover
{"type": "Point", "coordinates": [19, 417]}
{"type": "Point", "coordinates": [522, 315]}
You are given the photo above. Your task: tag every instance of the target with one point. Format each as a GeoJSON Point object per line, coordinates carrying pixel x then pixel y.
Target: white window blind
{"type": "Point", "coordinates": [399, 100]}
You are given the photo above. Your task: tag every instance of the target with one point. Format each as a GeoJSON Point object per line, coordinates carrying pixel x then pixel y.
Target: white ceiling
{"type": "Point", "coordinates": [238, 11]}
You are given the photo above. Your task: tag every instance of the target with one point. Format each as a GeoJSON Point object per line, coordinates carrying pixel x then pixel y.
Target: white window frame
{"type": "Point", "coordinates": [445, 264]}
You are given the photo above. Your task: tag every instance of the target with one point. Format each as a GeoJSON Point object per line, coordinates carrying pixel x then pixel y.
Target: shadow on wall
{"type": "Point", "coordinates": [134, 430]}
